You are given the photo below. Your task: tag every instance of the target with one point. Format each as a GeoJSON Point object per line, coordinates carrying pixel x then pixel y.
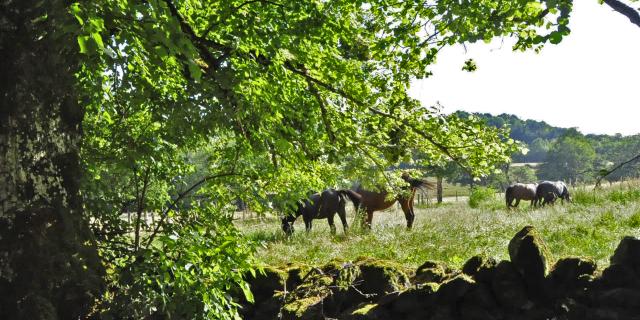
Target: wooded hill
{"type": "Point", "coordinates": [566, 153]}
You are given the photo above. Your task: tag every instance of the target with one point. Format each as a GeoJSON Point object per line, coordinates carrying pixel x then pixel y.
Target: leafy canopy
{"type": "Point", "coordinates": [262, 100]}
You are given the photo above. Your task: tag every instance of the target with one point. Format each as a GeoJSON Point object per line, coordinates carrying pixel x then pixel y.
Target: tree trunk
{"type": "Point", "coordinates": [439, 189]}
{"type": "Point", "coordinates": [49, 267]}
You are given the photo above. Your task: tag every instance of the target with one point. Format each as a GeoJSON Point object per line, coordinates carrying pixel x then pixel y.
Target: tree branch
{"type": "Point", "coordinates": [201, 43]}
{"type": "Point", "coordinates": [444, 149]}
{"type": "Point", "coordinates": [605, 173]}
{"type": "Point", "coordinates": [179, 198]}
{"type": "Point", "coordinates": [626, 10]}
{"type": "Point", "coordinates": [323, 111]}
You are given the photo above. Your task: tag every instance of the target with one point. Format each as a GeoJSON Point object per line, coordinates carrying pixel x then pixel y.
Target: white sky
{"type": "Point", "coordinates": [591, 80]}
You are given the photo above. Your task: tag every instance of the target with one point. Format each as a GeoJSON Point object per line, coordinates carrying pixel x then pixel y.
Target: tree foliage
{"type": "Point", "coordinates": [273, 99]}
{"type": "Point", "coordinates": [570, 158]}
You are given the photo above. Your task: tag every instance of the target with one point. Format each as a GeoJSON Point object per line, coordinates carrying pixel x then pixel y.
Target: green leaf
{"type": "Point", "coordinates": [247, 291]}
{"type": "Point", "coordinates": [98, 40]}
{"type": "Point", "coordinates": [83, 43]}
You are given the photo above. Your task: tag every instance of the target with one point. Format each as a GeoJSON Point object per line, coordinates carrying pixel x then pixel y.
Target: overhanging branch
{"type": "Point", "coordinates": [605, 173]}
{"type": "Point", "coordinates": [626, 10]}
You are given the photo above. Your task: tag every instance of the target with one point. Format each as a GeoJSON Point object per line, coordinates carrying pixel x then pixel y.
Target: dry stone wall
{"type": "Point", "coordinates": [525, 287]}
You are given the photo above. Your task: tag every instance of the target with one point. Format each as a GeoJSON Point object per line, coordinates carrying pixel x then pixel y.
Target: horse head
{"type": "Point", "coordinates": [287, 226]}
{"type": "Point", "coordinates": [290, 217]}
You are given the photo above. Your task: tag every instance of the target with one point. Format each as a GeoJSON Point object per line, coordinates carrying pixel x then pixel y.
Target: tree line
{"type": "Point", "coordinates": [556, 153]}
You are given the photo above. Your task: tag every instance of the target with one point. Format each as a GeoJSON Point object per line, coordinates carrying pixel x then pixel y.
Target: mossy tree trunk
{"type": "Point", "coordinates": [49, 267]}
{"type": "Point", "coordinates": [439, 189]}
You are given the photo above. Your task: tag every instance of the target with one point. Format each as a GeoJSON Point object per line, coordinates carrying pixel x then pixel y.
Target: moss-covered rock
{"type": "Point", "coordinates": [530, 256]}
{"type": "Point", "coordinates": [480, 303]}
{"type": "Point", "coordinates": [480, 268]}
{"type": "Point", "coordinates": [452, 291]}
{"type": "Point", "coordinates": [295, 275]}
{"type": "Point", "coordinates": [415, 303]}
{"type": "Point", "coordinates": [628, 253]}
{"type": "Point", "coordinates": [570, 274]}
{"type": "Point", "coordinates": [304, 308]}
{"type": "Point", "coordinates": [307, 300]}
{"type": "Point", "coordinates": [509, 288]}
{"type": "Point", "coordinates": [624, 298]}
{"type": "Point", "coordinates": [432, 271]}
{"type": "Point", "coordinates": [266, 282]}
{"type": "Point", "coordinates": [344, 292]}
{"type": "Point", "coordinates": [264, 285]}
{"type": "Point", "coordinates": [379, 277]}
{"type": "Point", "coordinates": [618, 276]}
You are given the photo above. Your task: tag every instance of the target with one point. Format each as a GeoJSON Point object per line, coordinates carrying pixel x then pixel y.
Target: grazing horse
{"type": "Point", "coordinates": [322, 205]}
{"type": "Point", "coordinates": [549, 191]}
{"type": "Point", "coordinates": [520, 191]}
{"type": "Point", "coordinates": [371, 201]}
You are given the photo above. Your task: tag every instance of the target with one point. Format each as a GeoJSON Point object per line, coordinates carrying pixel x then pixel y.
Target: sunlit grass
{"type": "Point", "coordinates": [591, 226]}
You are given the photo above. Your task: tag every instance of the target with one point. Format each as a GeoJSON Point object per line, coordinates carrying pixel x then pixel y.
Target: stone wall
{"type": "Point", "coordinates": [525, 287]}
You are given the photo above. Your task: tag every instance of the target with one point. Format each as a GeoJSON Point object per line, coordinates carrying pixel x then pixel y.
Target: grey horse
{"type": "Point", "coordinates": [520, 191]}
{"type": "Point", "coordinates": [322, 205]}
{"type": "Point", "coordinates": [548, 191]}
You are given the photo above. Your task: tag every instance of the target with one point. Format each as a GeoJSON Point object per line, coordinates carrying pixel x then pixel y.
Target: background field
{"type": "Point", "coordinates": [591, 226]}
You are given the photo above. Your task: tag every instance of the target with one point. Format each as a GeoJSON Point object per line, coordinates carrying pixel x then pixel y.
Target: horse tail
{"type": "Point", "coordinates": [352, 195]}
{"type": "Point", "coordinates": [508, 194]}
{"type": "Point", "coordinates": [419, 183]}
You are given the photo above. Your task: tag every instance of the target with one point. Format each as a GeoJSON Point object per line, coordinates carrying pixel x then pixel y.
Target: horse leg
{"type": "Point", "coordinates": [517, 202]}
{"type": "Point", "coordinates": [331, 224]}
{"type": "Point", "coordinates": [368, 219]}
{"type": "Point", "coordinates": [307, 224]}
{"type": "Point", "coordinates": [343, 218]}
{"type": "Point", "coordinates": [408, 212]}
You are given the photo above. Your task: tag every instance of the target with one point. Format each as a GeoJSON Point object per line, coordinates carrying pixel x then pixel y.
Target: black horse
{"type": "Point", "coordinates": [321, 206]}
{"type": "Point", "coordinates": [548, 191]}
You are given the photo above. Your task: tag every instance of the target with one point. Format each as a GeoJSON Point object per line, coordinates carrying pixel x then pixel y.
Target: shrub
{"type": "Point", "coordinates": [186, 274]}
{"type": "Point", "coordinates": [480, 195]}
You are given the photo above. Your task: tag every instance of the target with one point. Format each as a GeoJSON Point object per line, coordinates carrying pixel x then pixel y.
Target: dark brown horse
{"type": "Point", "coordinates": [371, 201]}
{"type": "Point", "coordinates": [520, 191]}
{"type": "Point", "coordinates": [321, 206]}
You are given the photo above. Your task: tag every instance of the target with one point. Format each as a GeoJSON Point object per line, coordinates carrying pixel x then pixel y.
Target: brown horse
{"type": "Point", "coordinates": [371, 201]}
{"type": "Point", "coordinates": [320, 206]}
{"type": "Point", "coordinates": [520, 191]}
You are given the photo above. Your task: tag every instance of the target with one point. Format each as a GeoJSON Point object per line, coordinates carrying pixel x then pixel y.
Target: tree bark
{"type": "Point", "coordinates": [49, 267]}
{"type": "Point", "coordinates": [439, 189]}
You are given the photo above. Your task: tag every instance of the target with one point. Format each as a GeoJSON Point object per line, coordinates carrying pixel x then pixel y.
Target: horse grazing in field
{"type": "Point", "coordinates": [322, 205]}
{"type": "Point", "coordinates": [371, 201]}
{"type": "Point", "coordinates": [520, 191]}
{"type": "Point", "coordinates": [548, 191]}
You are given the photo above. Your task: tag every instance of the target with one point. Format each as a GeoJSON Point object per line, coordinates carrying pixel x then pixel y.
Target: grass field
{"type": "Point", "coordinates": [591, 226]}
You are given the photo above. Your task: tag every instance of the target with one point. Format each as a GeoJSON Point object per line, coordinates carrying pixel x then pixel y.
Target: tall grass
{"type": "Point", "coordinates": [591, 226]}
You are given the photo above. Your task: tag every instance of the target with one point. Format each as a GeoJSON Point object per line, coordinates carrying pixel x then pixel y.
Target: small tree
{"type": "Point", "coordinates": [570, 158]}
{"type": "Point", "coordinates": [522, 174]}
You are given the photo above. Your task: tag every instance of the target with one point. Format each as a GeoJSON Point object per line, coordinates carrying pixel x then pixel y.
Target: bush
{"type": "Point", "coordinates": [186, 274]}
{"type": "Point", "coordinates": [481, 195]}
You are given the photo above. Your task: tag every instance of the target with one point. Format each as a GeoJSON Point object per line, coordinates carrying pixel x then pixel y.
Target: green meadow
{"type": "Point", "coordinates": [591, 226]}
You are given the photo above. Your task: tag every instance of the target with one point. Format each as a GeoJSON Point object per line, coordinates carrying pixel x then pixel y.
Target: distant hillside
{"type": "Point", "coordinates": [538, 135]}
{"type": "Point", "coordinates": [540, 138]}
